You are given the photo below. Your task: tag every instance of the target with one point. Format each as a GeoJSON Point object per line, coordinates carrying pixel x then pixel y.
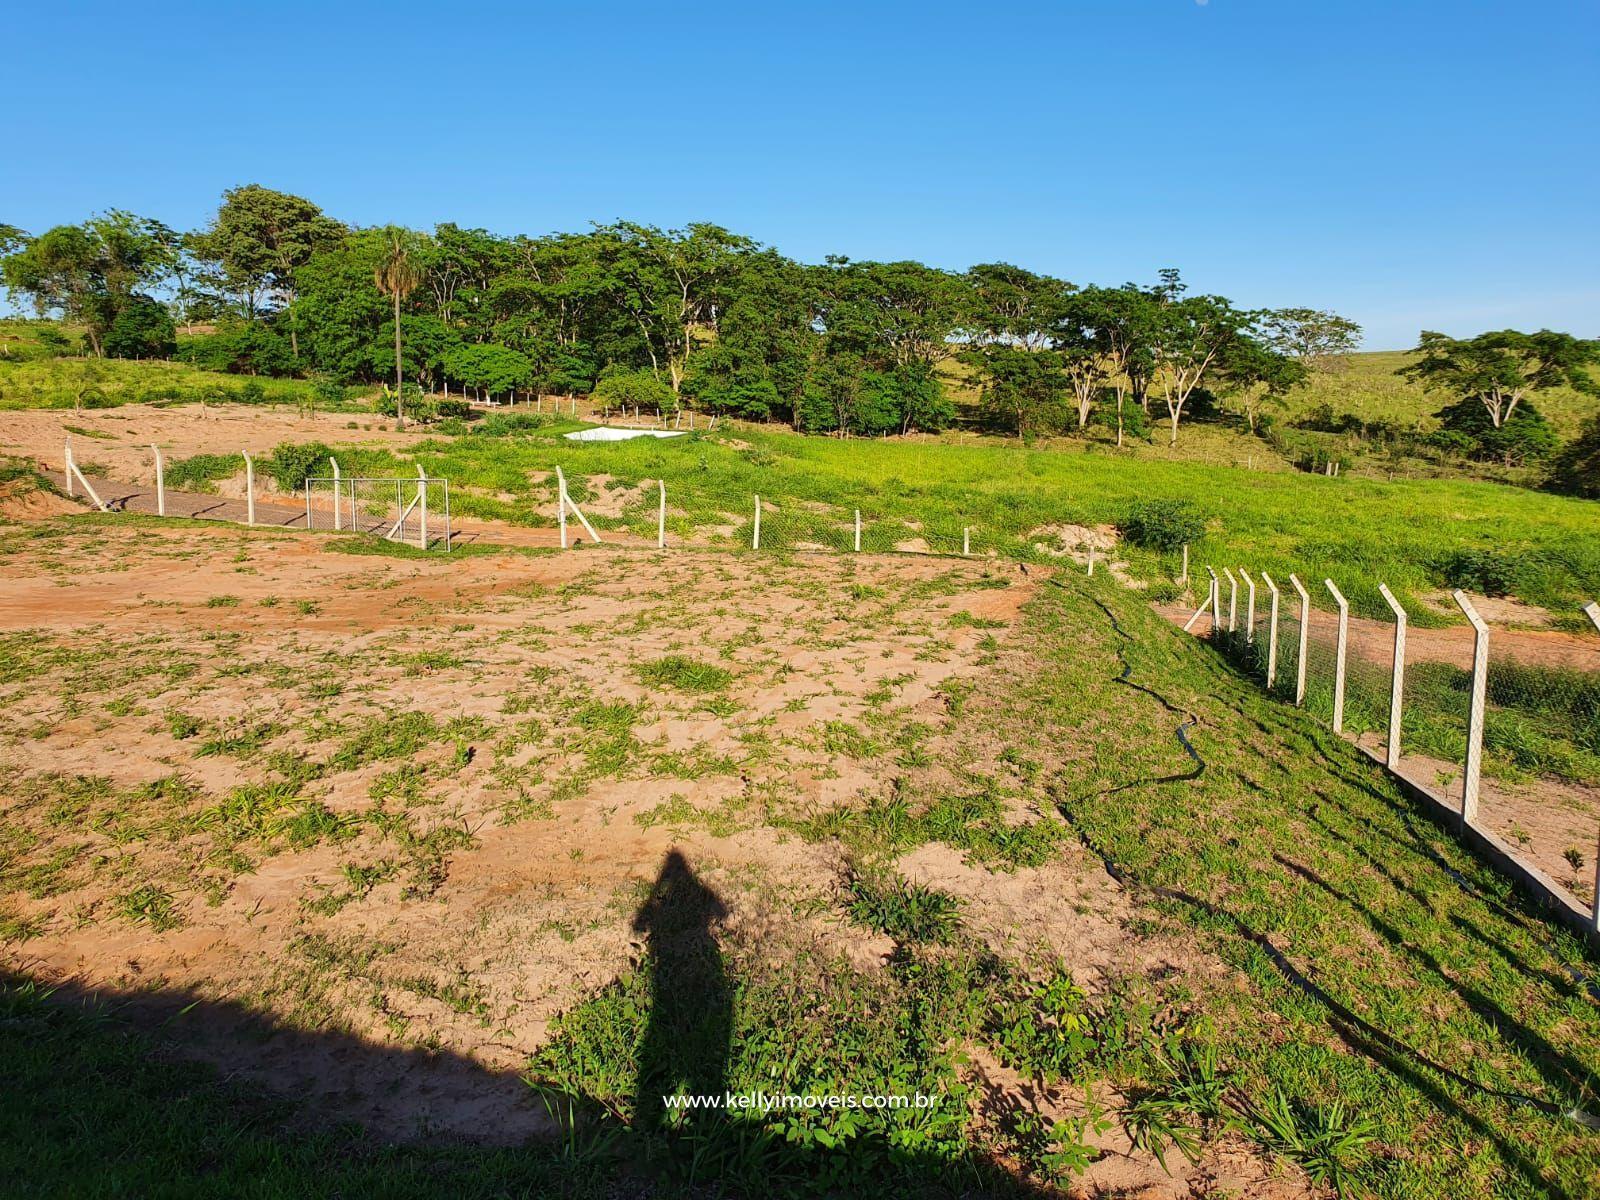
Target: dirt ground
{"type": "Point", "coordinates": [119, 439]}
{"type": "Point", "coordinates": [416, 803]}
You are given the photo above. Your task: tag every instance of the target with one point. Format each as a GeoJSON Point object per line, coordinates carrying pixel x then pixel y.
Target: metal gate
{"type": "Point", "coordinates": [415, 511]}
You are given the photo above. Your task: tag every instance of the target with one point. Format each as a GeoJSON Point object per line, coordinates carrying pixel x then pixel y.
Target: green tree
{"type": "Point", "coordinates": [1190, 333]}
{"type": "Point", "coordinates": [1322, 340]}
{"type": "Point", "coordinates": [1503, 368]}
{"type": "Point", "coordinates": [142, 328]}
{"type": "Point", "coordinates": [493, 368]}
{"type": "Point", "coordinates": [88, 272]}
{"type": "Point", "coordinates": [259, 239]}
{"type": "Point", "coordinates": [1255, 376]}
{"type": "Point", "coordinates": [397, 273]}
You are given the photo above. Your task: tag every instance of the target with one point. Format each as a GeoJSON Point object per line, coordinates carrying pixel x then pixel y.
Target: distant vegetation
{"type": "Point", "coordinates": [705, 318]}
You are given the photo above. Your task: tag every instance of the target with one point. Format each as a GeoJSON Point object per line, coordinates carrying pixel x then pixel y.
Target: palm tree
{"type": "Point", "coordinates": [397, 275]}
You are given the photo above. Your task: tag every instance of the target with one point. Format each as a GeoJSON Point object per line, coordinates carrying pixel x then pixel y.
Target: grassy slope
{"type": "Point", "coordinates": [1383, 965]}
{"type": "Point", "coordinates": [1370, 963]}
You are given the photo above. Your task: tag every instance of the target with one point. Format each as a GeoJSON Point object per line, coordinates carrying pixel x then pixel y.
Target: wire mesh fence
{"type": "Point", "coordinates": [415, 511]}
{"type": "Point", "coordinates": [1537, 762]}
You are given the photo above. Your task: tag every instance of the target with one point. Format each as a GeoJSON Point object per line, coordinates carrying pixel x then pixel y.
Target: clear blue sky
{"type": "Point", "coordinates": [1424, 164]}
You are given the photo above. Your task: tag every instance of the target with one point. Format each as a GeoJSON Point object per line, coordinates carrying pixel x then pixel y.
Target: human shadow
{"type": "Point", "coordinates": [684, 1051]}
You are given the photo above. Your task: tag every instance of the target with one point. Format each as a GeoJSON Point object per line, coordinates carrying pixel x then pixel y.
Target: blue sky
{"type": "Point", "coordinates": [1424, 164]}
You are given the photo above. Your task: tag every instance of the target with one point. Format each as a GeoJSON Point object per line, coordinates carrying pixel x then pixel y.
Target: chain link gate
{"type": "Point", "coordinates": [413, 510]}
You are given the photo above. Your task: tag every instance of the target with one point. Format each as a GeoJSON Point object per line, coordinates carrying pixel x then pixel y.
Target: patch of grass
{"type": "Point", "coordinates": [684, 674]}
{"type": "Point", "coordinates": [908, 912]}
{"type": "Point", "coordinates": [148, 905]}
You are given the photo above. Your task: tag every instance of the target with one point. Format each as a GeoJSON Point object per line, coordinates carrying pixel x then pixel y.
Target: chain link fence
{"type": "Point", "coordinates": [1537, 758]}
{"type": "Point", "coordinates": [415, 511]}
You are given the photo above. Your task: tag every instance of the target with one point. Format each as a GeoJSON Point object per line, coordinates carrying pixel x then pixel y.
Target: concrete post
{"type": "Point", "coordinates": [1091, 560]}
{"type": "Point", "coordinates": [1592, 611]}
{"type": "Point", "coordinates": [337, 520]}
{"type": "Point", "coordinates": [561, 505]}
{"type": "Point", "coordinates": [966, 545]}
{"type": "Point", "coordinates": [1305, 639]}
{"type": "Point", "coordinates": [858, 531]}
{"type": "Point", "coordinates": [1233, 602]}
{"type": "Point", "coordinates": [661, 518]}
{"type": "Point", "coordinates": [1397, 683]}
{"type": "Point", "coordinates": [1480, 695]}
{"type": "Point", "coordinates": [66, 467]}
{"type": "Point", "coordinates": [1339, 655]}
{"type": "Point", "coordinates": [1249, 608]}
{"type": "Point", "coordinates": [249, 489]}
{"type": "Point", "coordinates": [755, 533]}
{"type": "Point", "coordinates": [1272, 632]}
{"type": "Point", "coordinates": [1216, 602]}
{"type": "Point", "coordinates": [161, 482]}
{"type": "Point", "coordinates": [1183, 576]}
{"type": "Point", "coordinates": [422, 507]}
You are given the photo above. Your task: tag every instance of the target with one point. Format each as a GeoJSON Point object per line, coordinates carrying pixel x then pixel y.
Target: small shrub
{"type": "Point", "coordinates": [292, 464]}
{"type": "Point", "coordinates": [1164, 525]}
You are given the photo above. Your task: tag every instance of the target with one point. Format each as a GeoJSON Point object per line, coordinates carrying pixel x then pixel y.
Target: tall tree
{"type": "Point", "coordinates": [398, 273]}
{"type": "Point", "coordinates": [89, 272]}
{"type": "Point", "coordinates": [1322, 340]}
{"type": "Point", "coordinates": [1189, 334]}
{"type": "Point", "coordinates": [1502, 368]}
{"type": "Point", "coordinates": [259, 239]}
{"type": "Point", "coordinates": [1256, 375]}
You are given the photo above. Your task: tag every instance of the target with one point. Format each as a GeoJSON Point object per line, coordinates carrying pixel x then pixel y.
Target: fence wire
{"type": "Point", "coordinates": [401, 509]}
{"type": "Point", "coordinates": [1539, 787]}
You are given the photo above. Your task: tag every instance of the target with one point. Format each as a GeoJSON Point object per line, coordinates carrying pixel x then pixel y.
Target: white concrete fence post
{"type": "Point", "coordinates": [1233, 602]}
{"type": "Point", "coordinates": [1216, 602]}
{"type": "Point", "coordinates": [1397, 683]}
{"type": "Point", "coordinates": [858, 531]}
{"type": "Point", "coordinates": [1272, 632]}
{"type": "Point", "coordinates": [1091, 560]}
{"type": "Point", "coordinates": [661, 517]}
{"type": "Point", "coordinates": [966, 546]}
{"type": "Point", "coordinates": [1195, 616]}
{"type": "Point", "coordinates": [1480, 693]}
{"type": "Point", "coordinates": [249, 488]}
{"type": "Point", "coordinates": [1592, 611]}
{"type": "Point", "coordinates": [72, 473]}
{"type": "Point", "coordinates": [755, 530]}
{"type": "Point", "coordinates": [422, 506]}
{"type": "Point", "coordinates": [1339, 655]}
{"type": "Point", "coordinates": [561, 505]}
{"type": "Point", "coordinates": [1305, 639]}
{"type": "Point", "coordinates": [161, 481]}
{"type": "Point", "coordinates": [1249, 608]}
{"type": "Point", "coordinates": [337, 520]}
{"type": "Point", "coordinates": [1183, 576]}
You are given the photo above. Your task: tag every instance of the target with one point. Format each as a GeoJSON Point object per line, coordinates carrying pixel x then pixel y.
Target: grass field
{"type": "Point", "coordinates": [417, 840]}
{"type": "Point", "coordinates": [1359, 531]}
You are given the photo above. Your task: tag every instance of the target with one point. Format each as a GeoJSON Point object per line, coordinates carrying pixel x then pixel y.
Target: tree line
{"type": "Point", "coordinates": [698, 316]}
